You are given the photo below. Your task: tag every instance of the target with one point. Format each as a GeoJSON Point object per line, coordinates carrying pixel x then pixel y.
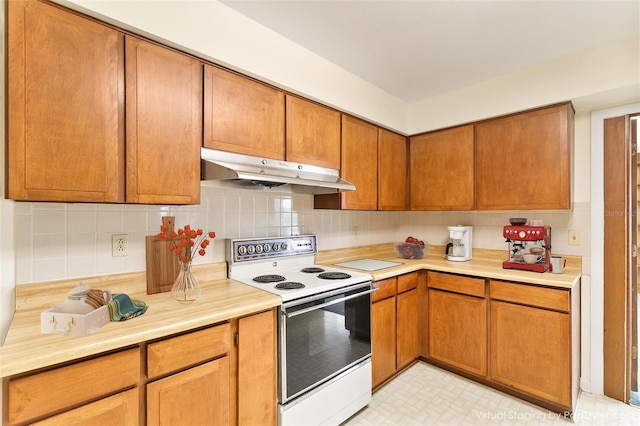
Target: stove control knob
{"type": "Point", "coordinates": [251, 249]}
{"type": "Point", "coordinates": [242, 250]}
{"type": "Point", "coordinates": [267, 248]}
{"type": "Point", "coordinates": [283, 246]}
{"type": "Point", "coordinates": [522, 234]}
{"type": "Point", "coordinates": [276, 246]}
{"type": "Point", "coordinates": [258, 249]}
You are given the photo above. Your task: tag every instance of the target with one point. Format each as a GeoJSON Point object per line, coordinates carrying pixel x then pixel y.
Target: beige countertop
{"type": "Point", "coordinates": [26, 348]}
{"type": "Point", "coordinates": [485, 263]}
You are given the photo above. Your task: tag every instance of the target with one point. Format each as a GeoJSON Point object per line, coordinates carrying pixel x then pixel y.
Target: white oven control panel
{"type": "Point", "coordinates": [249, 249]}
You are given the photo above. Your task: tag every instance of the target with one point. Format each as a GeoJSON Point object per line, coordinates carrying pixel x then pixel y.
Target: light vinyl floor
{"type": "Point", "coordinates": [427, 395]}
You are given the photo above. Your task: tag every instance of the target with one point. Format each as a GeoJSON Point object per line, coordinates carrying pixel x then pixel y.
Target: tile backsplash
{"type": "Point", "coordinates": [65, 240]}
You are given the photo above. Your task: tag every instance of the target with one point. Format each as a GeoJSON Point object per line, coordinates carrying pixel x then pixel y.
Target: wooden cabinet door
{"type": "Point", "coordinates": [164, 125]}
{"type": "Point", "coordinates": [242, 115]}
{"type": "Point", "coordinates": [313, 133]}
{"type": "Point", "coordinates": [116, 410]}
{"type": "Point", "coordinates": [523, 160]}
{"type": "Point", "coordinates": [383, 340]}
{"type": "Point", "coordinates": [257, 399]}
{"type": "Point", "coordinates": [458, 331]}
{"type": "Point", "coordinates": [65, 106]}
{"type": "Point", "coordinates": [392, 171]}
{"type": "Point", "coordinates": [408, 281]}
{"type": "Point", "coordinates": [530, 351]}
{"type": "Point", "coordinates": [408, 340]}
{"type": "Point", "coordinates": [441, 170]}
{"type": "Point", "coordinates": [198, 396]}
{"type": "Point", "coordinates": [359, 164]}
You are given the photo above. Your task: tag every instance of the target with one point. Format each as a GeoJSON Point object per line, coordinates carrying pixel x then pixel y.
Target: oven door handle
{"type": "Point", "coordinates": [333, 302]}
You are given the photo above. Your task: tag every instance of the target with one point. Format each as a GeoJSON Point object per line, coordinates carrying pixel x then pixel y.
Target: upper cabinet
{"type": "Point", "coordinates": [359, 164]}
{"type": "Point", "coordinates": [97, 116]}
{"type": "Point", "coordinates": [68, 140]}
{"type": "Point", "coordinates": [313, 133]}
{"type": "Point", "coordinates": [164, 125]}
{"type": "Point", "coordinates": [523, 161]}
{"type": "Point", "coordinates": [242, 115]}
{"type": "Point", "coordinates": [392, 171]}
{"type": "Point", "coordinates": [375, 161]}
{"type": "Point", "coordinates": [441, 170]}
{"type": "Point", "coordinates": [66, 107]}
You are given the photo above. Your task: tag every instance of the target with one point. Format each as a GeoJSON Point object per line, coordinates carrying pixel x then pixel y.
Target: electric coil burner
{"type": "Point", "coordinates": [334, 276]}
{"type": "Point", "coordinates": [289, 285]}
{"type": "Point", "coordinates": [268, 278]}
{"type": "Point", "coordinates": [324, 327]}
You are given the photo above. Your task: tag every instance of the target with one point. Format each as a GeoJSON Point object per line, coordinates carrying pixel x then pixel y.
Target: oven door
{"type": "Point", "coordinates": [321, 336]}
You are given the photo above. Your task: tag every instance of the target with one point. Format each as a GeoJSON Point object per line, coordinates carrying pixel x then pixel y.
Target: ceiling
{"type": "Point", "coordinates": [418, 49]}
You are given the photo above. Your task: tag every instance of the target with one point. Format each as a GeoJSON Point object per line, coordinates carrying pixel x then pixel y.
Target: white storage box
{"type": "Point", "coordinates": [53, 321]}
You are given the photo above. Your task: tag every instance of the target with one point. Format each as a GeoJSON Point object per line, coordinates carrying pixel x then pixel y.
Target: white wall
{"type": "Point", "coordinates": [584, 78]}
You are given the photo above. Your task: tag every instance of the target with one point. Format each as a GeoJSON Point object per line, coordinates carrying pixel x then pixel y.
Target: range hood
{"type": "Point", "coordinates": [227, 169]}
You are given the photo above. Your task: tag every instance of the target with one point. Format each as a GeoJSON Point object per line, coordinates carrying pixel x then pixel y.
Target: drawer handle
{"type": "Point", "coordinates": [70, 324]}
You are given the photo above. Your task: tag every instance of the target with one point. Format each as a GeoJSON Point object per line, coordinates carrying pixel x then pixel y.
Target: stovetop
{"type": "Point", "coordinates": [294, 257]}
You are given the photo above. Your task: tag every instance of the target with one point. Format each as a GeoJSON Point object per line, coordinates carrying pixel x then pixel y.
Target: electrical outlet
{"type": "Point", "coordinates": [119, 245]}
{"type": "Point", "coordinates": [574, 238]}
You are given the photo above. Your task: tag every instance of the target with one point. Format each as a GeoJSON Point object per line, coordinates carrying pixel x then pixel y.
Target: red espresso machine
{"type": "Point", "coordinates": [524, 239]}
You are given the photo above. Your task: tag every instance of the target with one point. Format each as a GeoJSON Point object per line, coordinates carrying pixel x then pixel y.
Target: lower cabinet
{"type": "Point", "coordinates": [519, 338]}
{"type": "Point", "coordinates": [78, 387]}
{"type": "Point", "coordinates": [197, 396]}
{"type": "Point", "coordinates": [394, 326]}
{"type": "Point", "coordinates": [383, 337]}
{"type": "Point", "coordinates": [534, 344]}
{"type": "Point", "coordinates": [407, 339]}
{"type": "Point", "coordinates": [257, 399]}
{"type": "Point", "coordinates": [458, 322]}
{"type": "Point", "coordinates": [224, 374]}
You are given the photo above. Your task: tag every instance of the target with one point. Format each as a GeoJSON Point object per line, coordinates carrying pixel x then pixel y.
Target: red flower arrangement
{"type": "Point", "coordinates": [187, 242]}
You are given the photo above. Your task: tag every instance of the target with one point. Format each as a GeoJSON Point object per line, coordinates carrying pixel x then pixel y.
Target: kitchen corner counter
{"type": "Point", "coordinates": [485, 264]}
{"type": "Point", "coordinates": [26, 348]}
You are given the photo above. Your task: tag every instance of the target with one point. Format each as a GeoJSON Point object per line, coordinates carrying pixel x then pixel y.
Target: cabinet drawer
{"type": "Point", "coordinates": [548, 298]}
{"type": "Point", "coordinates": [407, 282]}
{"type": "Point", "coordinates": [53, 390]}
{"type": "Point", "coordinates": [118, 409]}
{"type": "Point", "coordinates": [456, 283]}
{"type": "Point", "coordinates": [186, 350]}
{"type": "Point", "coordinates": [386, 288]}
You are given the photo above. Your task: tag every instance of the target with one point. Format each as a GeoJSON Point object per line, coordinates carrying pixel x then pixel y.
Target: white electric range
{"type": "Point", "coordinates": [324, 327]}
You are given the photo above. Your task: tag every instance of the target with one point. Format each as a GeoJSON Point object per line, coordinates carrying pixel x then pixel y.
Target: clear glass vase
{"type": "Point", "coordinates": [185, 288]}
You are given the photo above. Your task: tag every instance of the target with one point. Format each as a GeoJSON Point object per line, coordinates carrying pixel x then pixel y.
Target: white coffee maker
{"type": "Point", "coordinates": [459, 249]}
